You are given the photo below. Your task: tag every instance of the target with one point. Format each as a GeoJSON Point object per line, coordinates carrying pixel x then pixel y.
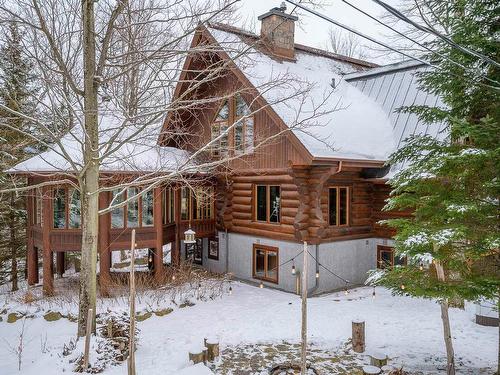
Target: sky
{"type": "Point", "coordinates": [314, 31]}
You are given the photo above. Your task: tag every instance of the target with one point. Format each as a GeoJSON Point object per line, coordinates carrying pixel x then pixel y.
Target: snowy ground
{"type": "Point", "coordinates": [408, 330]}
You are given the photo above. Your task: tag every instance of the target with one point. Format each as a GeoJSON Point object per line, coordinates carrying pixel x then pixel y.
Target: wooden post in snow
{"type": "Point", "coordinates": [131, 338]}
{"type": "Point", "coordinates": [358, 336]}
{"type": "Point", "coordinates": [87, 340]}
{"type": "Point", "coordinates": [303, 354]}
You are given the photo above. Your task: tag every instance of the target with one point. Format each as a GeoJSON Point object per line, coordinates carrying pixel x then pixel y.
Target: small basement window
{"type": "Point", "coordinates": [387, 259]}
{"type": "Point", "coordinates": [265, 263]}
{"type": "Point", "coordinates": [338, 205]}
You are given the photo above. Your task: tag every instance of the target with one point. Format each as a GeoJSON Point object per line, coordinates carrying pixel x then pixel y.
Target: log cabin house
{"type": "Point", "coordinates": [299, 187]}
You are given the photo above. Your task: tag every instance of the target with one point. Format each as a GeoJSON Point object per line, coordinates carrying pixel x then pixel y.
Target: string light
{"type": "Point", "coordinates": [317, 274]}
{"type": "Point", "coordinates": [373, 294]}
{"type": "Point", "coordinates": [293, 269]}
{"type": "Point", "coordinates": [173, 277]}
{"type": "Point", "coordinates": [421, 266]}
{"type": "Point", "coordinates": [402, 286]}
{"type": "Point", "coordinates": [261, 285]}
{"type": "Point", "coordinates": [230, 290]}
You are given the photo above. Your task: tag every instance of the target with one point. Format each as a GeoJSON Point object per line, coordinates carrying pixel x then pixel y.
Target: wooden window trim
{"type": "Point", "coordinates": [236, 118]}
{"type": "Point", "coordinates": [139, 212]}
{"type": "Point", "coordinates": [268, 204]}
{"type": "Point", "coordinates": [266, 249]}
{"type": "Point", "coordinates": [385, 248]}
{"type": "Point", "coordinates": [202, 211]}
{"type": "Point", "coordinates": [217, 123]}
{"type": "Point", "coordinates": [337, 203]}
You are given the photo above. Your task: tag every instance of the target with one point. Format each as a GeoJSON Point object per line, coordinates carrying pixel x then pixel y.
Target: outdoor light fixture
{"type": "Point", "coordinates": [293, 270]}
{"type": "Point", "coordinates": [189, 236]}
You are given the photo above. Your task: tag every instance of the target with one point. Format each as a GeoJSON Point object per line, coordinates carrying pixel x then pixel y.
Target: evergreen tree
{"type": "Point", "coordinates": [452, 239]}
{"type": "Point", "coordinates": [17, 92]}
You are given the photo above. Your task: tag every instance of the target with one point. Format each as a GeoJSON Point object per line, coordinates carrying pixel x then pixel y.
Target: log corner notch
{"type": "Point", "coordinates": [319, 176]}
{"type": "Point", "coordinates": [301, 175]}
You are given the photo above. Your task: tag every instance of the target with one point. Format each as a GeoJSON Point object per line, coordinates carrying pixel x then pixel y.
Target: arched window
{"type": "Point", "coordinates": [219, 126]}
{"type": "Point", "coordinates": [243, 130]}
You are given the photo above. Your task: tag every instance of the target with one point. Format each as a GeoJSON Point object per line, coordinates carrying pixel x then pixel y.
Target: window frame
{"type": "Point", "coordinates": [244, 124]}
{"type": "Point", "coordinates": [139, 211]}
{"type": "Point", "coordinates": [337, 206]}
{"type": "Point", "coordinates": [268, 204]}
{"type": "Point", "coordinates": [390, 249]}
{"type": "Point", "coordinates": [267, 249]}
{"type": "Point", "coordinates": [216, 149]}
{"type": "Point", "coordinates": [192, 203]}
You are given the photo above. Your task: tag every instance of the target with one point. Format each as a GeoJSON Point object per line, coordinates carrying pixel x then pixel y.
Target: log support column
{"type": "Point", "coordinates": [176, 246]}
{"type": "Point", "coordinates": [48, 276]}
{"type": "Point", "coordinates": [60, 263]}
{"type": "Point", "coordinates": [104, 250]}
{"type": "Point", "coordinates": [32, 264]}
{"type": "Point", "coordinates": [158, 223]}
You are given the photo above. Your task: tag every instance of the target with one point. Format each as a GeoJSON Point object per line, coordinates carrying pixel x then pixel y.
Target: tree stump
{"type": "Point", "coordinates": [212, 346]}
{"type": "Point", "coordinates": [358, 336]}
{"type": "Point", "coordinates": [198, 355]}
{"type": "Point", "coordinates": [378, 359]}
{"type": "Point", "coordinates": [371, 370]}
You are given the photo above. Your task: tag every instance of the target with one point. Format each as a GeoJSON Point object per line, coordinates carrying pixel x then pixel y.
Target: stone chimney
{"type": "Point", "coordinates": [278, 30]}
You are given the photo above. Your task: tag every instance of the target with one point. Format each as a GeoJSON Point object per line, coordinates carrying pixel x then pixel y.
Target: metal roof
{"type": "Point", "coordinates": [395, 86]}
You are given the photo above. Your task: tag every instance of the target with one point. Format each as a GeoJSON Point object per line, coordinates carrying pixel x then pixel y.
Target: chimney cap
{"type": "Point", "coordinates": [278, 11]}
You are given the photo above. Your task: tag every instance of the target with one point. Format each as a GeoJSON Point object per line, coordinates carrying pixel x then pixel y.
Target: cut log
{"type": "Point", "coordinates": [378, 359]}
{"type": "Point", "coordinates": [212, 346]}
{"type": "Point", "coordinates": [371, 370]}
{"type": "Point", "coordinates": [358, 336]}
{"type": "Point", "coordinates": [197, 355]}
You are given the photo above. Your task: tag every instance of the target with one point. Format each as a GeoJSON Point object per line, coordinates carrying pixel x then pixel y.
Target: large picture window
{"type": "Point", "coordinates": [338, 206]}
{"type": "Point", "coordinates": [267, 203]}
{"type": "Point", "coordinates": [197, 204]}
{"type": "Point", "coordinates": [138, 213]}
{"type": "Point", "coordinates": [66, 208]}
{"type": "Point", "coordinates": [265, 263]}
{"type": "Point", "coordinates": [168, 206]}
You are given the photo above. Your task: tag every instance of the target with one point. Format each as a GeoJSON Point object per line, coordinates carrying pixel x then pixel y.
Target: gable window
{"type": "Point", "coordinates": [338, 206]}
{"type": "Point", "coordinates": [219, 126]}
{"type": "Point", "coordinates": [243, 130]}
{"type": "Point", "coordinates": [387, 259]}
{"type": "Point", "coordinates": [265, 263]}
{"type": "Point", "coordinates": [267, 203]}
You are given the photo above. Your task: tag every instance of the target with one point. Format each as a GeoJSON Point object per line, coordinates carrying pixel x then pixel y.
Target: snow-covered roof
{"type": "Point", "coordinates": [346, 124]}
{"type": "Point", "coordinates": [131, 152]}
{"type": "Point", "coordinates": [359, 117]}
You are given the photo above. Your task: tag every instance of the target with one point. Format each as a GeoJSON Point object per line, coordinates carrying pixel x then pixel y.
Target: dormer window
{"type": "Point", "coordinates": [241, 137]}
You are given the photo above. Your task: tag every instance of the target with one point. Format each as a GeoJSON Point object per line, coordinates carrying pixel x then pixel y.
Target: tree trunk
{"type": "Point", "coordinates": [90, 180]}
{"type": "Point", "coordinates": [450, 355]}
{"type": "Point", "coordinates": [13, 243]}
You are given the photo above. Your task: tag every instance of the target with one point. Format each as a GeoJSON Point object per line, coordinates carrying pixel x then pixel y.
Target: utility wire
{"type": "Point", "coordinates": [430, 30]}
{"type": "Point", "coordinates": [373, 40]}
{"type": "Point", "coordinates": [416, 42]}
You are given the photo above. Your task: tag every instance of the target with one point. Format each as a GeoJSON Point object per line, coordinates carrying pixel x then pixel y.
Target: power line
{"type": "Point", "coordinates": [415, 41]}
{"type": "Point", "coordinates": [430, 30]}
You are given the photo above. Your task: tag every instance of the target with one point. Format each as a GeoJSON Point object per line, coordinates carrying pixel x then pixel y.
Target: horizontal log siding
{"type": "Point", "coordinates": [360, 209]}
{"type": "Point", "coordinates": [381, 193]}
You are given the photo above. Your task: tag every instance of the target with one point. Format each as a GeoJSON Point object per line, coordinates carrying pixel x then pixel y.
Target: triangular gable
{"type": "Point", "coordinates": [203, 32]}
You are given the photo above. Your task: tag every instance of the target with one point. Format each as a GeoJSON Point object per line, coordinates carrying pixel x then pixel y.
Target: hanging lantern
{"type": "Point", "coordinates": [189, 236]}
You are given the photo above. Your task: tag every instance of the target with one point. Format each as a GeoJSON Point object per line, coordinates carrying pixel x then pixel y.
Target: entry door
{"type": "Point", "coordinates": [194, 251]}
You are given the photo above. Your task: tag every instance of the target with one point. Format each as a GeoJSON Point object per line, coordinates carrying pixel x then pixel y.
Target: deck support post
{"type": "Point", "coordinates": [104, 250]}
{"type": "Point", "coordinates": [176, 246]}
{"type": "Point", "coordinates": [158, 223]}
{"type": "Point", "coordinates": [32, 260]}
{"type": "Point", "coordinates": [48, 276]}
{"type": "Point", "coordinates": [60, 263]}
